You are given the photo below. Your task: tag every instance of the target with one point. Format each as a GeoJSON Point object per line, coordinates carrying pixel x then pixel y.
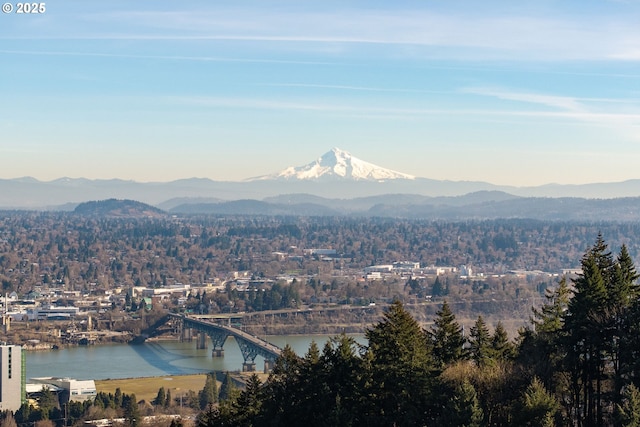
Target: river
{"type": "Point", "coordinates": [152, 358]}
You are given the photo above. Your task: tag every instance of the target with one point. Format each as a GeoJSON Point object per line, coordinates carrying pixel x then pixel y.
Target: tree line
{"type": "Point", "coordinates": [576, 364]}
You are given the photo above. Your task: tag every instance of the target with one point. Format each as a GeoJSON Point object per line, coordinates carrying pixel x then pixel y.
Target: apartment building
{"type": "Point", "coordinates": [13, 377]}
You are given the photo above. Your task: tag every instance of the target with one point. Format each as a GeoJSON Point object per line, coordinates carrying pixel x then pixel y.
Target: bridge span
{"type": "Point", "coordinates": [250, 345]}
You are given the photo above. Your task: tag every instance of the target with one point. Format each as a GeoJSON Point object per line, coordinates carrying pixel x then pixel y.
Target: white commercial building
{"type": "Point", "coordinates": [406, 265]}
{"type": "Point", "coordinates": [70, 389]}
{"type": "Point", "coordinates": [386, 268]}
{"type": "Point", "coordinates": [52, 313]}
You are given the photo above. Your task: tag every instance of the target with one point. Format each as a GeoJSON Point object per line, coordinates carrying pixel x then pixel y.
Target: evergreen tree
{"type": "Point", "coordinates": [462, 409]}
{"type": "Point", "coordinates": [246, 408]}
{"type": "Point", "coordinates": [228, 388]}
{"type": "Point", "coordinates": [623, 296]}
{"type": "Point", "coordinates": [549, 319]}
{"type": "Point", "coordinates": [209, 394]}
{"type": "Point", "coordinates": [47, 402]}
{"type": "Point", "coordinates": [401, 370]}
{"type": "Point", "coordinates": [342, 381]}
{"type": "Point", "coordinates": [480, 343]}
{"type": "Point", "coordinates": [628, 411]}
{"type": "Point", "coordinates": [131, 410]}
{"type": "Point", "coordinates": [211, 417]}
{"type": "Point", "coordinates": [311, 383]}
{"type": "Point", "coordinates": [23, 415]}
{"type": "Point", "coordinates": [599, 333]}
{"type": "Point", "coordinates": [624, 290]}
{"type": "Point", "coordinates": [167, 401]}
{"type": "Point", "coordinates": [503, 349]}
{"type": "Point", "coordinates": [538, 407]}
{"type": "Point", "coordinates": [160, 397]}
{"type": "Point", "coordinates": [630, 364]}
{"type": "Point", "coordinates": [76, 410]}
{"type": "Point", "coordinates": [585, 330]}
{"type": "Point", "coordinates": [283, 398]}
{"type": "Point", "coordinates": [540, 350]}
{"type": "Point", "coordinates": [317, 390]}
{"type": "Point", "coordinates": [438, 289]}
{"type": "Point", "coordinates": [117, 400]}
{"type": "Point", "coordinates": [447, 337]}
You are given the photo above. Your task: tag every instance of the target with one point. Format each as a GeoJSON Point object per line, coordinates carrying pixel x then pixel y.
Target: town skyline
{"type": "Point", "coordinates": [523, 95]}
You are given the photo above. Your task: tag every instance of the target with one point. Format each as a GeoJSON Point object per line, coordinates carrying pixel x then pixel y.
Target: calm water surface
{"type": "Point", "coordinates": [152, 359]}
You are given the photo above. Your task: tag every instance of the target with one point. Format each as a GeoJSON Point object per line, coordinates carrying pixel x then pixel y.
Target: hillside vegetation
{"type": "Point", "coordinates": [575, 364]}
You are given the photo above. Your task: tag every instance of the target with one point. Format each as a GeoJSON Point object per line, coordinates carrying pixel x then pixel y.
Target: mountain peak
{"type": "Point", "coordinates": [337, 164]}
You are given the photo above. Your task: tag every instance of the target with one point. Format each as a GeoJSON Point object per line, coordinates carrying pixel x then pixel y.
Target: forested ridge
{"type": "Point", "coordinates": [576, 364]}
{"type": "Point", "coordinates": [64, 248]}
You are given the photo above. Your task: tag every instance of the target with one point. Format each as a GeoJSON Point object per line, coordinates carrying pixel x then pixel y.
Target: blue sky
{"type": "Point", "coordinates": [521, 93]}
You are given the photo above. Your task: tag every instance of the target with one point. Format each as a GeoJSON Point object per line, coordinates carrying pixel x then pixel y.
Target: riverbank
{"type": "Point", "coordinates": [46, 336]}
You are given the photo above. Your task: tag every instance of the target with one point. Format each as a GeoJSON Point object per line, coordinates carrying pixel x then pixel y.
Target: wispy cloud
{"type": "Point", "coordinates": [267, 104]}
{"type": "Point", "coordinates": [159, 57]}
{"type": "Point", "coordinates": [620, 115]}
{"type": "Point", "coordinates": [353, 88]}
{"type": "Point", "coordinates": [557, 109]}
{"type": "Point", "coordinates": [562, 102]}
{"type": "Point", "coordinates": [450, 33]}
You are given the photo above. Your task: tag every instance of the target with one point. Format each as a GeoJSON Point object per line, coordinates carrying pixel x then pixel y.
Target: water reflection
{"type": "Point", "coordinates": [159, 356]}
{"type": "Point", "coordinates": [152, 358]}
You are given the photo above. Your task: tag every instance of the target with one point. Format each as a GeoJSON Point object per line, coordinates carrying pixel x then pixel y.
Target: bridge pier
{"type": "Point", "coordinates": [202, 341]}
{"type": "Point", "coordinates": [186, 335]}
{"type": "Point", "coordinates": [217, 339]}
{"type": "Point", "coordinates": [269, 365]}
{"type": "Point", "coordinates": [248, 367]}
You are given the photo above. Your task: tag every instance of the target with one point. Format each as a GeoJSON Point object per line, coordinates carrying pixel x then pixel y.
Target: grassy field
{"type": "Point", "coordinates": [147, 388]}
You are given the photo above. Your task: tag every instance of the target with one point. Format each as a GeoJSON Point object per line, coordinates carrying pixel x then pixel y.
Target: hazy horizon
{"type": "Point", "coordinates": [252, 178]}
{"type": "Point", "coordinates": [519, 94]}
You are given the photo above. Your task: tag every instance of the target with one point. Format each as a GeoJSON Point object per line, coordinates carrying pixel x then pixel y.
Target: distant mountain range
{"type": "Point", "coordinates": [473, 206]}
{"type": "Point", "coordinates": [337, 183]}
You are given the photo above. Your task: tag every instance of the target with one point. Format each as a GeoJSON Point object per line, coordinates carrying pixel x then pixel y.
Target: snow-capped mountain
{"type": "Point", "coordinates": [337, 163]}
{"type": "Point", "coordinates": [337, 175]}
